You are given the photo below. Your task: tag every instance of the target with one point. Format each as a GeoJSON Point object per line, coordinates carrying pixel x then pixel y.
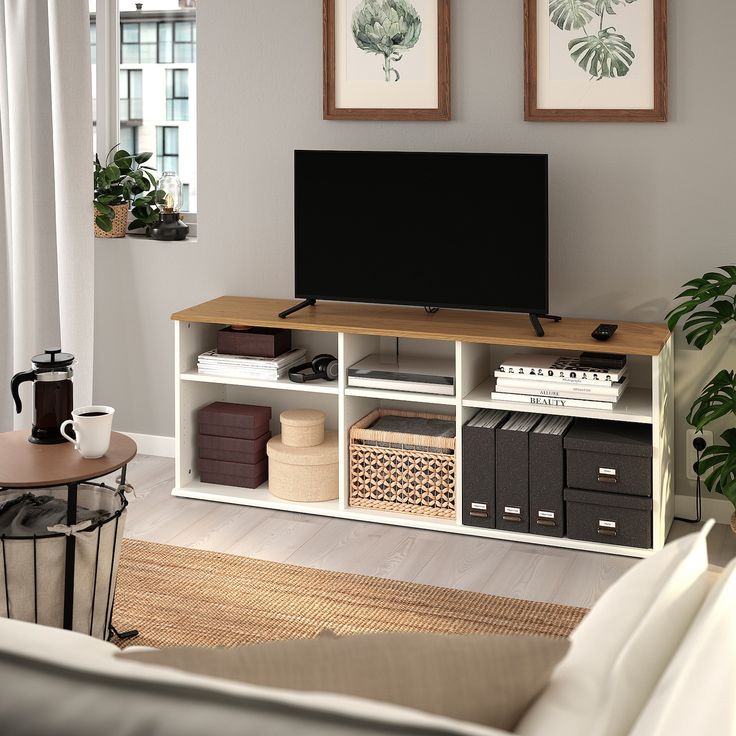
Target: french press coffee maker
{"type": "Point", "coordinates": [53, 395]}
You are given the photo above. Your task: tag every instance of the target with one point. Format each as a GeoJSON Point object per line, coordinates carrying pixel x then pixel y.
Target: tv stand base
{"type": "Point", "coordinates": [537, 325]}
{"type": "Point", "coordinates": [306, 303]}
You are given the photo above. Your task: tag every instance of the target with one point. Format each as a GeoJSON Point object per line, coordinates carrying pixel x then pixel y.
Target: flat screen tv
{"type": "Point", "coordinates": [459, 230]}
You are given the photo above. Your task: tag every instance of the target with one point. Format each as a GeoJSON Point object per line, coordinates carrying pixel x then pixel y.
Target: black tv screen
{"type": "Point", "coordinates": [463, 230]}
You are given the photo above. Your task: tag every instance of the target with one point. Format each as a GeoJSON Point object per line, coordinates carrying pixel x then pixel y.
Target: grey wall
{"type": "Point", "coordinates": [636, 209]}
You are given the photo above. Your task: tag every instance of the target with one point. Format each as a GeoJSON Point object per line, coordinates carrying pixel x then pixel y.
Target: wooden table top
{"type": "Point", "coordinates": [25, 465]}
{"type": "Point", "coordinates": [493, 328]}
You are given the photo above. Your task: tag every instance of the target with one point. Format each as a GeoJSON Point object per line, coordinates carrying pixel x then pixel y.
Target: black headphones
{"type": "Point", "coordinates": [323, 366]}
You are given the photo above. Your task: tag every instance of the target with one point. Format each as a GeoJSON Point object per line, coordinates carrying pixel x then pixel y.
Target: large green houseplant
{"type": "Point", "coordinates": [707, 305]}
{"type": "Point", "coordinates": [124, 179]}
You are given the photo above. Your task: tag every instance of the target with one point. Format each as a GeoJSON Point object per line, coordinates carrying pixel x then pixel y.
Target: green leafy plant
{"type": "Point", "coordinates": [708, 304]}
{"type": "Point", "coordinates": [121, 180]}
{"type": "Point", "coordinates": [386, 27]}
{"type": "Point", "coordinates": [603, 53]}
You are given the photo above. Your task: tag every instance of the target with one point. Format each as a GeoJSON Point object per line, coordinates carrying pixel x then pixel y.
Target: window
{"type": "Point", "coordinates": [185, 197]}
{"type": "Point", "coordinates": [131, 95]}
{"type": "Point", "coordinates": [138, 43]}
{"type": "Point", "coordinates": [129, 139]}
{"type": "Point", "coordinates": [167, 149]}
{"type": "Point", "coordinates": [176, 42]}
{"type": "Point", "coordinates": [151, 51]}
{"type": "Point", "coordinates": [177, 94]}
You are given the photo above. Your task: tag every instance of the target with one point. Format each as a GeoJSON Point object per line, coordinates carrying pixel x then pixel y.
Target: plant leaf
{"type": "Point", "coordinates": [716, 400]}
{"type": "Point", "coordinates": [104, 223]}
{"type": "Point", "coordinates": [700, 291]}
{"type": "Point", "coordinates": [136, 225]}
{"type": "Point", "coordinates": [571, 14]}
{"type": "Point", "coordinates": [607, 54]}
{"type": "Point", "coordinates": [141, 158]}
{"type": "Point", "coordinates": [104, 209]}
{"type": "Point", "coordinates": [606, 6]}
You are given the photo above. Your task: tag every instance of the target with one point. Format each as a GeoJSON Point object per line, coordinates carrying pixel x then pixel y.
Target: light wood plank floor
{"type": "Point", "coordinates": [517, 570]}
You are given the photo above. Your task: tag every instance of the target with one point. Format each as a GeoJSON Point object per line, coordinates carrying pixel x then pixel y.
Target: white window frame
{"type": "Point", "coordinates": [108, 84]}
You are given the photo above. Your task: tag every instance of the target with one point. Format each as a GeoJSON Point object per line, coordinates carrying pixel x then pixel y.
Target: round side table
{"type": "Point", "coordinates": [29, 466]}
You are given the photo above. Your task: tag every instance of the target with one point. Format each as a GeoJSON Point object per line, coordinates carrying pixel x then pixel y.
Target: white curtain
{"type": "Point", "coordinates": [46, 236]}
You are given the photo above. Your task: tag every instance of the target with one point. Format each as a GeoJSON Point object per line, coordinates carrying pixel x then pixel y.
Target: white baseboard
{"type": "Point", "coordinates": [153, 444]}
{"type": "Point", "coordinates": [714, 507]}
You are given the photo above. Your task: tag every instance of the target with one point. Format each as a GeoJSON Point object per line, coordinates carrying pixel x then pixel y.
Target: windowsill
{"type": "Point", "coordinates": [190, 240]}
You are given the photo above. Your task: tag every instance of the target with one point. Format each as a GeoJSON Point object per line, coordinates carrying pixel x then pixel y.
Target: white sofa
{"type": "Point", "coordinates": [656, 655]}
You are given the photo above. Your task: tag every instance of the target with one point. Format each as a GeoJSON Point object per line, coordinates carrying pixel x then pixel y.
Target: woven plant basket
{"type": "Point", "coordinates": [119, 222]}
{"type": "Point", "coordinates": [733, 522]}
{"type": "Point", "coordinates": [413, 481]}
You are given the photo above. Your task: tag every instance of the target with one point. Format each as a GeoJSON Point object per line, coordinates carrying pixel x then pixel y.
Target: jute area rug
{"type": "Point", "coordinates": [186, 597]}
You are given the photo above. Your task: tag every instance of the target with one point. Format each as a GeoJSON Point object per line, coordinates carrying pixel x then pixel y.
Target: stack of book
{"type": "Point", "coordinates": [558, 380]}
{"type": "Point", "coordinates": [213, 363]}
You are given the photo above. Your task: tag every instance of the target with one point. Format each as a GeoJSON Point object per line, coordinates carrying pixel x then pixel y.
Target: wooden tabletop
{"type": "Point", "coordinates": [493, 328]}
{"type": "Point", "coordinates": [25, 465]}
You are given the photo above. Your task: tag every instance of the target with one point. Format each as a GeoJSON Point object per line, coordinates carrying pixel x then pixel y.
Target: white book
{"type": "Point", "coordinates": [547, 401]}
{"type": "Point", "coordinates": [418, 387]}
{"type": "Point", "coordinates": [288, 358]}
{"type": "Point", "coordinates": [549, 366]}
{"type": "Point", "coordinates": [606, 391]}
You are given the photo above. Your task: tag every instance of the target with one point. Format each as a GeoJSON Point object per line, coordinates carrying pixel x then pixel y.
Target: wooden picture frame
{"type": "Point", "coordinates": [655, 85]}
{"type": "Point", "coordinates": [337, 88]}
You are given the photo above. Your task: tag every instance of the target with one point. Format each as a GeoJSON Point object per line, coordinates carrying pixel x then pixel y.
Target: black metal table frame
{"type": "Point", "coordinates": [70, 553]}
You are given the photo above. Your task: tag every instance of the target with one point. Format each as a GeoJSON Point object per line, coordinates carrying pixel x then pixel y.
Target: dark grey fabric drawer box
{"type": "Point", "coordinates": [615, 457]}
{"type": "Point", "coordinates": [609, 518]}
{"type": "Point", "coordinates": [479, 476]}
{"type": "Point", "coordinates": [546, 484]}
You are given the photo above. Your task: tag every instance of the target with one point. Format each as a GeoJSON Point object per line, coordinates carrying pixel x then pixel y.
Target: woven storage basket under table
{"type": "Point", "coordinates": [395, 471]}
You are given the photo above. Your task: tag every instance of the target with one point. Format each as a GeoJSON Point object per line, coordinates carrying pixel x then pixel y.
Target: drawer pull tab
{"type": "Point", "coordinates": [546, 522]}
{"type": "Point", "coordinates": [509, 517]}
{"type": "Point", "coordinates": [511, 513]}
{"type": "Point", "coordinates": [608, 528]}
{"type": "Point", "coordinates": [607, 478]}
{"type": "Point", "coordinates": [479, 514]}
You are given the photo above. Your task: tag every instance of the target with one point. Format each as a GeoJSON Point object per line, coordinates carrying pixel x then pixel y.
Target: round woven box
{"type": "Point", "coordinates": [302, 427]}
{"type": "Point", "coordinates": [304, 474]}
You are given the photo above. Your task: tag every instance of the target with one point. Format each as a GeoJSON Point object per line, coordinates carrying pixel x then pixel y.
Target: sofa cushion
{"type": "Point", "coordinates": [695, 695]}
{"type": "Point", "coordinates": [67, 684]}
{"type": "Point", "coordinates": [478, 678]}
{"type": "Point", "coordinates": [622, 646]}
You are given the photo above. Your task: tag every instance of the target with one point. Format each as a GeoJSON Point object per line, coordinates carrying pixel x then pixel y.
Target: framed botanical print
{"type": "Point", "coordinates": [386, 59]}
{"type": "Point", "coordinates": [595, 60]}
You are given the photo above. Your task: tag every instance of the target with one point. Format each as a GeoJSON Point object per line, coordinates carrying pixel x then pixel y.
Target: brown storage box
{"type": "Point", "coordinates": [609, 518]}
{"type": "Point", "coordinates": [245, 475]}
{"type": "Point", "coordinates": [259, 342]}
{"type": "Point", "coordinates": [232, 449]}
{"type": "Point", "coordinates": [615, 457]}
{"type": "Point", "coordinates": [242, 421]}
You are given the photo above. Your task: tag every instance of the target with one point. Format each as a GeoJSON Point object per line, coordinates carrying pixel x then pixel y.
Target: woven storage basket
{"type": "Point", "coordinates": [401, 479]}
{"type": "Point", "coordinates": [119, 222]}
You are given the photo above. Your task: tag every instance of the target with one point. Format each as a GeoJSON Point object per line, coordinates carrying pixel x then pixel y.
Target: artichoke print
{"type": "Point", "coordinates": [603, 54]}
{"type": "Point", "coordinates": [389, 28]}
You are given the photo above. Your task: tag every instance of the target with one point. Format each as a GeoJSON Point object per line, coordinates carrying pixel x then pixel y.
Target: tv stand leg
{"type": "Point", "coordinates": [537, 325]}
{"type": "Point", "coordinates": [306, 303]}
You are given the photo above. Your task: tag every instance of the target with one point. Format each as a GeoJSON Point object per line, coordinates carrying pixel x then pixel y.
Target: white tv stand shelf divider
{"type": "Point", "coordinates": [479, 341]}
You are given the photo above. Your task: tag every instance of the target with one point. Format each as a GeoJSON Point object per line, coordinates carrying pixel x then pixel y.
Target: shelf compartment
{"type": "Point", "coordinates": [410, 396]}
{"type": "Point", "coordinates": [635, 405]}
{"type": "Point", "coordinates": [315, 387]}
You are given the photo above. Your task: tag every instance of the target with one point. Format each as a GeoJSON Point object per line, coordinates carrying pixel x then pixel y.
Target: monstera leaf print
{"type": "Point", "coordinates": [571, 14]}
{"type": "Point", "coordinates": [606, 54]}
{"type": "Point", "coordinates": [606, 6]}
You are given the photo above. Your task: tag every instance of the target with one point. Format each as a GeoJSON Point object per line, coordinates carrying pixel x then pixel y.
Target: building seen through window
{"type": "Point", "coordinates": [157, 87]}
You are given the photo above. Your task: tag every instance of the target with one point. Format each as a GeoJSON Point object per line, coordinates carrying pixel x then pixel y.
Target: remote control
{"type": "Point", "coordinates": [603, 332]}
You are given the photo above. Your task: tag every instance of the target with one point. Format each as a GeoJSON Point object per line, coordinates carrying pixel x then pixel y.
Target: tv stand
{"type": "Point", "coordinates": [477, 341]}
{"type": "Point", "coordinates": [537, 325]}
{"type": "Point", "coordinates": [302, 305]}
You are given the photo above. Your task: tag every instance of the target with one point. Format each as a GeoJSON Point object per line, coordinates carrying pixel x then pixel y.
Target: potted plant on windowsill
{"type": "Point", "coordinates": [124, 179]}
{"type": "Point", "coordinates": [708, 304]}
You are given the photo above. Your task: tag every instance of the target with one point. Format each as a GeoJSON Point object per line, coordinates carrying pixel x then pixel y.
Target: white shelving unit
{"type": "Point", "coordinates": [648, 401]}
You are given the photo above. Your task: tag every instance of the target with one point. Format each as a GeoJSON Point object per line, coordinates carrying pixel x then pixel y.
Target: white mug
{"type": "Point", "coordinates": [92, 426]}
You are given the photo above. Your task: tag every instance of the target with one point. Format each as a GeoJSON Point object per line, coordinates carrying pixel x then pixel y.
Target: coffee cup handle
{"type": "Point", "coordinates": [75, 427]}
